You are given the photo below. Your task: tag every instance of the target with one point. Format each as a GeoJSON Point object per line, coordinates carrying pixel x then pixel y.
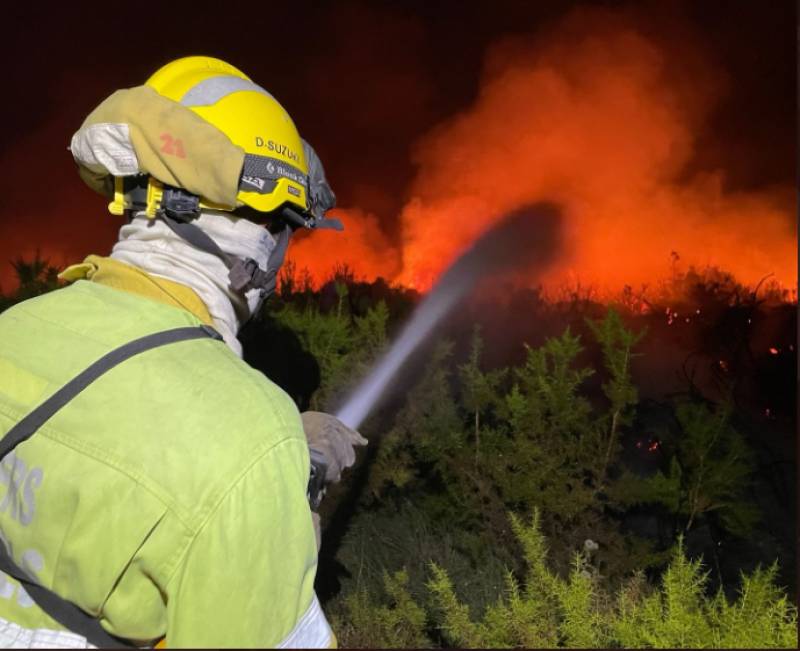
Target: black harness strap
{"type": "Point", "coordinates": [65, 612]}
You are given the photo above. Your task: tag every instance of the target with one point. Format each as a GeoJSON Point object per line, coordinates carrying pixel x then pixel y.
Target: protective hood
{"type": "Point", "coordinates": [154, 247]}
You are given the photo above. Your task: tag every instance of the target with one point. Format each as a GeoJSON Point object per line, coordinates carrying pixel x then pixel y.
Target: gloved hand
{"type": "Point", "coordinates": [335, 440]}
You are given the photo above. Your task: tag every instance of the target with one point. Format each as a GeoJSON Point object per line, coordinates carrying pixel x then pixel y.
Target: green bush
{"type": "Point", "coordinates": [469, 445]}
{"type": "Point", "coordinates": [400, 623]}
{"type": "Point", "coordinates": [709, 472]}
{"type": "Point", "coordinates": [343, 344]}
{"type": "Point", "coordinates": [548, 611]}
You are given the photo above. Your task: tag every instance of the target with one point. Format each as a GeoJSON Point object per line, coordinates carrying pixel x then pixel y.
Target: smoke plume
{"type": "Point", "coordinates": [603, 120]}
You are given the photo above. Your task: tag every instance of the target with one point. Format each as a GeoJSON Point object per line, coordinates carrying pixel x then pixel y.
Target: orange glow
{"type": "Point", "coordinates": [603, 121]}
{"type": "Point", "coordinates": [773, 351]}
{"type": "Point", "coordinates": [596, 124]}
{"type": "Point", "coordinates": [362, 246]}
{"type": "Point", "coordinates": [592, 114]}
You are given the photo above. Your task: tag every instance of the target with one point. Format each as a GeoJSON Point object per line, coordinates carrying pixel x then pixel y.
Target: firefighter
{"type": "Point", "coordinates": [156, 486]}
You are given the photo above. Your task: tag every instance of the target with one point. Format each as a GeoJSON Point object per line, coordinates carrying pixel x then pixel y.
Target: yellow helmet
{"type": "Point", "coordinates": [275, 169]}
{"type": "Point", "coordinates": [262, 163]}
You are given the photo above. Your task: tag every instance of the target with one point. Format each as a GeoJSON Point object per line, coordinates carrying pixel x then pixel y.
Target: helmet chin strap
{"type": "Point", "coordinates": [244, 273]}
{"type": "Point", "coordinates": [178, 208]}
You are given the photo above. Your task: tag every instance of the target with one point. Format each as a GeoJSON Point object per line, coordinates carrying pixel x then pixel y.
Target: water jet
{"type": "Point", "coordinates": [526, 239]}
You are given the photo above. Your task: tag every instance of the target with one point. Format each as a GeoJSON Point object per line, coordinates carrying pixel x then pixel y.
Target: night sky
{"type": "Point", "coordinates": [365, 82]}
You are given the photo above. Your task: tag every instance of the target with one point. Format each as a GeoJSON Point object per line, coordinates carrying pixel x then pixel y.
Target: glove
{"type": "Point", "coordinates": [335, 440]}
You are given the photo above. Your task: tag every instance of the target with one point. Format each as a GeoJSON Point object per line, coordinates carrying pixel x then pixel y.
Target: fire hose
{"type": "Point", "coordinates": [316, 480]}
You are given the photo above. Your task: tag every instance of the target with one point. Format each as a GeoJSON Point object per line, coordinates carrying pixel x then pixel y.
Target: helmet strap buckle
{"type": "Point", "coordinates": [180, 204]}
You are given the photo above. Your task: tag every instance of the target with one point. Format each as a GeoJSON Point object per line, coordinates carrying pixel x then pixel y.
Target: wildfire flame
{"type": "Point", "coordinates": [653, 445]}
{"type": "Point", "coordinates": [600, 119]}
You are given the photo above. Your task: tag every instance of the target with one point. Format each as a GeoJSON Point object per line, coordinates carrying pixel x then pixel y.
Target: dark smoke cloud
{"type": "Point", "coordinates": [526, 241]}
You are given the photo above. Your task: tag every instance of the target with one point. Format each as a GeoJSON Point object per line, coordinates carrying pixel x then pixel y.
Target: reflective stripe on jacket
{"type": "Point", "coordinates": [169, 496]}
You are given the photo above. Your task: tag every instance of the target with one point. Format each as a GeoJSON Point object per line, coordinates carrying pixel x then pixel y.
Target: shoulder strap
{"type": "Point", "coordinates": [65, 612]}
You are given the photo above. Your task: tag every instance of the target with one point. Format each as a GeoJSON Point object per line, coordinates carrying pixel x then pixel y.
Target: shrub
{"type": "Point", "coordinates": [548, 611]}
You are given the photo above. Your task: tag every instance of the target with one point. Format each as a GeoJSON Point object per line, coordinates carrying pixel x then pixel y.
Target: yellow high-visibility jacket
{"type": "Point", "coordinates": [168, 498]}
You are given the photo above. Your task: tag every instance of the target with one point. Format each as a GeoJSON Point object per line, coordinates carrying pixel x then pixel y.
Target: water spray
{"type": "Point", "coordinates": [527, 238]}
